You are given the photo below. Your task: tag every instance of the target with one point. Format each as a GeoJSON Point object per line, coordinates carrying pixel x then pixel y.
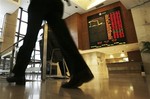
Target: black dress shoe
{"type": "Point", "coordinates": [78, 79]}
{"type": "Point", "coordinates": [17, 80]}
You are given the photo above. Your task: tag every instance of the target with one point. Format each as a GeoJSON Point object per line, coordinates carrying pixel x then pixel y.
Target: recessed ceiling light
{"type": "Point", "coordinates": [95, 3]}
{"type": "Point", "coordinates": [87, 4]}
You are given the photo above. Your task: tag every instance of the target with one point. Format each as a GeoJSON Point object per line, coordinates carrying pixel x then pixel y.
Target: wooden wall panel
{"type": "Point", "coordinates": [10, 22]}
{"type": "Point", "coordinates": [72, 23]}
{"type": "Point", "coordinates": [135, 56]}
{"type": "Point", "coordinates": [130, 28]}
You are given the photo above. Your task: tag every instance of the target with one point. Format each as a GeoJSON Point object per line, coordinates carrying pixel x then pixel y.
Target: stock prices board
{"type": "Point", "coordinates": [106, 28]}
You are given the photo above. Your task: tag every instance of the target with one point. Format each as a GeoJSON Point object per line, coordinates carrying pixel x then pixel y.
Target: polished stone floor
{"type": "Point", "coordinates": [118, 86]}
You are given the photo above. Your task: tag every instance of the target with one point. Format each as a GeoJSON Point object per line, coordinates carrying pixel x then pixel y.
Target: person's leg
{"type": "Point", "coordinates": [25, 51]}
{"type": "Point", "coordinates": [78, 69]}
{"type": "Point", "coordinates": [69, 49]}
{"type": "Point", "coordinates": [60, 30]}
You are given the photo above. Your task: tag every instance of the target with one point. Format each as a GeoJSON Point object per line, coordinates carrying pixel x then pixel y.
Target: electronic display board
{"type": "Point", "coordinates": [106, 28]}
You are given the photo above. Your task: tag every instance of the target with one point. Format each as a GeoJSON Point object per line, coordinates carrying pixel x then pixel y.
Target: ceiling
{"type": "Point", "coordinates": [76, 7]}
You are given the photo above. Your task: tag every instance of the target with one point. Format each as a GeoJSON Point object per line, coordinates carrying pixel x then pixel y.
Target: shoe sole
{"type": "Point", "coordinates": [84, 77]}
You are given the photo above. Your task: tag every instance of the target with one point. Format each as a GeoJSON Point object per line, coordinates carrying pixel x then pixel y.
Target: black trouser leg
{"type": "Point", "coordinates": [25, 51]}
{"type": "Point", "coordinates": [74, 60]}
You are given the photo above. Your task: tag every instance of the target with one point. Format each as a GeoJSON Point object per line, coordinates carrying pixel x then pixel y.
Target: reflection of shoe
{"type": "Point", "coordinates": [78, 79]}
{"type": "Point", "coordinates": [17, 80]}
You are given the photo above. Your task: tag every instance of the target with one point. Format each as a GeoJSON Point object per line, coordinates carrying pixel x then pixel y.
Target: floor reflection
{"type": "Point", "coordinates": [116, 87]}
{"type": "Point", "coordinates": [75, 93]}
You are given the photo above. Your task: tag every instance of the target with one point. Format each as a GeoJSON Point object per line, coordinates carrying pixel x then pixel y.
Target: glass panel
{"type": "Point", "coordinates": [20, 43]}
{"type": "Point", "coordinates": [15, 39]}
{"type": "Point", "coordinates": [23, 28]}
{"type": "Point", "coordinates": [40, 34]}
{"type": "Point", "coordinates": [37, 52]}
{"type": "Point", "coordinates": [19, 10]}
{"type": "Point", "coordinates": [37, 57]}
{"type": "Point", "coordinates": [37, 47]}
{"type": "Point", "coordinates": [17, 27]}
{"type": "Point", "coordinates": [24, 16]}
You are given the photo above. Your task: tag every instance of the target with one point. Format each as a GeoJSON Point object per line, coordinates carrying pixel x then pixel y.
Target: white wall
{"type": "Point", "coordinates": [141, 18]}
{"type": "Point", "coordinates": [97, 63]}
{"type": "Point", "coordinates": [7, 6]}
